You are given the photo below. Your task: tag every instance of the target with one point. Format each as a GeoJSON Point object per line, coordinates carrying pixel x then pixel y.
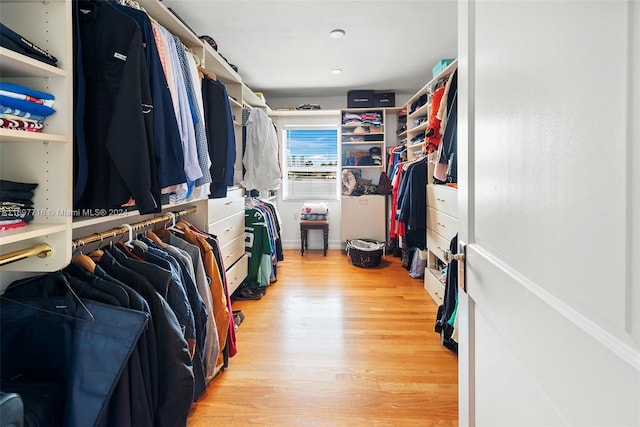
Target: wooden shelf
{"type": "Point", "coordinates": [422, 111]}
{"type": "Point", "coordinates": [215, 63]}
{"type": "Point", "coordinates": [29, 231]}
{"type": "Point", "coordinates": [10, 135]}
{"type": "Point", "coordinates": [362, 142]}
{"type": "Point", "coordinates": [249, 97]}
{"type": "Point", "coordinates": [420, 128]}
{"type": "Point", "coordinates": [363, 110]}
{"type": "Point", "coordinates": [234, 103]}
{"type": "Point", "coordinates": [287, 113]}
{"type": "Point", "coordinates": [163, 15]}
{"type": "Point", "coordinates": [356, 125]}
{"type": "Point", "coordinates": [81, 222]}
{"type": "Point", "coordinates": [14, 64]}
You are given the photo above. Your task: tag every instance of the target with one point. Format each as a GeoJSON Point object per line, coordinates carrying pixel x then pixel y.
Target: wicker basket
{"type": "Point", "coordinates": [365, 253]}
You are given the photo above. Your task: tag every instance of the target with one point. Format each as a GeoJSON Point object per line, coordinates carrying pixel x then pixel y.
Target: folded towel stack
{"type": "Point", "coordinates": [314, 212]}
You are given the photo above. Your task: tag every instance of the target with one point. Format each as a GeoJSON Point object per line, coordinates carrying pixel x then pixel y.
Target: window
{"type": "Point", "coordinates": [310, 159]}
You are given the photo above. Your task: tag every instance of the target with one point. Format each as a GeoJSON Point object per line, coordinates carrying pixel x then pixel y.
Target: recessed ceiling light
{"type": "Point", "coordinates": [336, 71]}
{"type": "Point", "coordinates": [336, 34]}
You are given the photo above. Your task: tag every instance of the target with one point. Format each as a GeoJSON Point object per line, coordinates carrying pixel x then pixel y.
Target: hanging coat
{"type": "Point", "coordinates": [71, 346]}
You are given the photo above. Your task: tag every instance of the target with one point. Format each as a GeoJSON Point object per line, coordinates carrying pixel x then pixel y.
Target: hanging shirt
{"type": "Point", "coordinates": [261, 155]}
{"type": "Point", "coordinates": [180, 99]}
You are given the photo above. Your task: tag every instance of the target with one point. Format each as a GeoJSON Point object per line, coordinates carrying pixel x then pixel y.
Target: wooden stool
{"type": "Point", "coordinates": [305, 226]}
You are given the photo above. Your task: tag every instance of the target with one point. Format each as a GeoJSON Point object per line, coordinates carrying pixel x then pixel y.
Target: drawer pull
{"type": "Point", "coordinates": [231, 254]}
{"type": "Point", "coordinates": [440, 200]}
{"type": "Point", "coordinates": [441, 225]}
{"type": "Point", "coordinates": [230, 202]}
{"type": "Point", "coordinates": [228, 229]}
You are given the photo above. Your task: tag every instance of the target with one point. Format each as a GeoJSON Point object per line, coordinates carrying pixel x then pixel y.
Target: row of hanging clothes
{"type": "Point", "coordinates": [151, 126]}
{"type": "Point", "coordinates": [407, 233]}
{"type": "Point", "coordinates": [129, 334]}
{"type": "Point", "coordinates": [407, 230]}
{"type": "Point", "coordinates": [263, 244]}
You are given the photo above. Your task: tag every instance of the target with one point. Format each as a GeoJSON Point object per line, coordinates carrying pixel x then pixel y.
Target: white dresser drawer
{"type": "Point", "coordinates": [228, 228]}
{"type": "Point", "coordinates": [443, 198]}
{"type": "Point", "coordinates": [434, 286]}
{"type": "Point", "coordinates": [232, 251]}
{"type": "Point", "coordinates": [436, 243]}
{"type": "Point", "coordinates": [443, 224]}
{"type": "Point", "coordinates": [221, 208]}
{"type": "Point", "coordinates": [237, 273]}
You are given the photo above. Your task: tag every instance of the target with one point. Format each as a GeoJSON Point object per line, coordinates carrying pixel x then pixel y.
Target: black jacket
{"type": "Point", "coordinates": [118, 114]}
{"type": "Point", "coordinates": [175, 379]}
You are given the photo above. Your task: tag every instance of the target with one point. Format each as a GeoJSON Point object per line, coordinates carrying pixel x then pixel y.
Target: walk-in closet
{"type": "Point", "coordinates": [317, 213]}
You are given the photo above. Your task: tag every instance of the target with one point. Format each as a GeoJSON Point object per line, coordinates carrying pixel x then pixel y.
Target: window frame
{"type": "Point", "coordinates": [286, 194]}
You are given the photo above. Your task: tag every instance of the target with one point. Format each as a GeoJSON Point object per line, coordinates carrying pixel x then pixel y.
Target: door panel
{"type": "Point", "coordinates": [543, 360]}
{"type": "Point", "coordinates": [549, 207]}
{"type": "Point", "coordinates": [549, 175]}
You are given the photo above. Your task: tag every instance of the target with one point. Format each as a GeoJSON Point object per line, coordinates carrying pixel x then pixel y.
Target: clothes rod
{"type": "Point", "coordinates": [42, 250]}
{"type": "Point", "coordinates": [98, 237]}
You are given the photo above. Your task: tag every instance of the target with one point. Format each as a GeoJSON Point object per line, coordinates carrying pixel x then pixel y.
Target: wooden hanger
{"type": "Point", "coordinates": [154, 237]}
{"type": "Point", "coordinates": [84, 261]}
{"type": "Point", "coordinates": [204, 72]}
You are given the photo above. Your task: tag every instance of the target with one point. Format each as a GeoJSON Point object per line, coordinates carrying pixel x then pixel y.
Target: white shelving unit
{"type": "Point", "coordinates": [44, 158]}
{"type": "Point", "coordinates": [442, 200]}
{"type": "Point", "coordinates": [363, 217]}
{"type": "Point", "coordinates": [415, 149]}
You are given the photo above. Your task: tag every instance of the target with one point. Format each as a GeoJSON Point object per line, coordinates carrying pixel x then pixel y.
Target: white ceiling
{"type": "Point", "coordinates": [282, 47]}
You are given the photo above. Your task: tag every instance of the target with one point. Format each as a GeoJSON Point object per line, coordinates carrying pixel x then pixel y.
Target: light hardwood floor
{"type": "Point", "coordinates": [332, 344]}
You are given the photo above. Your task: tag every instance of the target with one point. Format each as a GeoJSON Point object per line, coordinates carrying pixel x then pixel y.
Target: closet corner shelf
{"type": "Point", "coordinates": [9, 135]}
{"type": "Point", "coordinates": [14, 64]}
{"type": "Point", "coordinates": [402, 134]}
{"type": "Point", "coordinates": [29, 232]}
{"type": "Point", "coordinates": [415, 146]}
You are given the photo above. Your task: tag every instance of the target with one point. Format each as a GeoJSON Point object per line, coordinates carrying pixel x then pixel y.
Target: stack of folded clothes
{"type": "Point", "coordinates": [16, 205]}
{"type": "Point", "coordinates": [314, 212]}
{"type": "Point", "coordinates": [23, 108]}
{"type": "Point", "coordinates": [14, 41]}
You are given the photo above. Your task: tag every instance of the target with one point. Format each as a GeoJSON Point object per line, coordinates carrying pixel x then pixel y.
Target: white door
{"type": "Point", "coordinates": [549, 177]}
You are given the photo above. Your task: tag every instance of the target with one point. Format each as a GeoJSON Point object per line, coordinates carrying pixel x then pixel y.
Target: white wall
{"type": "Point", "coordinates": [290, 209]}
